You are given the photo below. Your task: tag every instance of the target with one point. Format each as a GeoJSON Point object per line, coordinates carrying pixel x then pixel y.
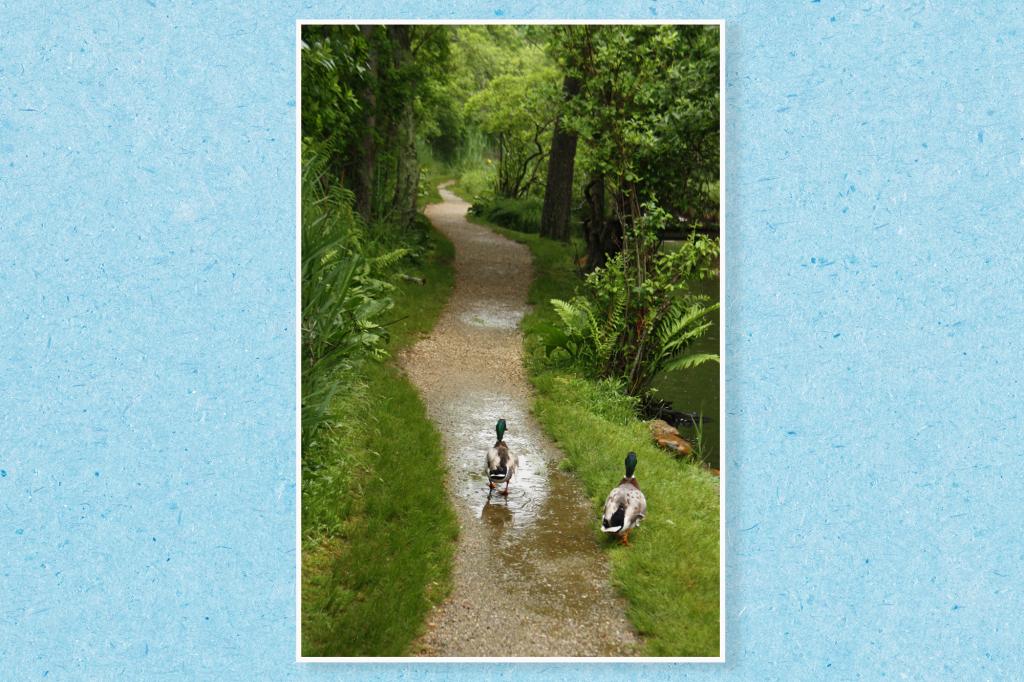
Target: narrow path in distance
{"type": "Point", "coordinates": [529, 578]}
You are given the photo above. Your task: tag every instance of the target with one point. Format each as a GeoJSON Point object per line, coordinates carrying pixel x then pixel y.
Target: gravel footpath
{"type": "Point", "coordinates": [529, 576]}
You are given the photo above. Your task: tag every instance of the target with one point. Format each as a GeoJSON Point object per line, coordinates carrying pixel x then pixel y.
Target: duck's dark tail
{"type": "Point", "coordinates": [499, 473]}
{"type": "Point", "coordinates": [615, 523]}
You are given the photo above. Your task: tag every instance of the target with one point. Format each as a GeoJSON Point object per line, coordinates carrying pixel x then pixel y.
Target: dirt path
{"type": "Point", "coordinates": [529, 578]}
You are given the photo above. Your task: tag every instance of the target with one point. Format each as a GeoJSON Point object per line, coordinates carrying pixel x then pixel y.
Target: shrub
{"type": "Point", "coordinates": [478, 182]}
{"type": "Point", "coordinates": [636, 317]}
{"type": "Point", "coordinates": [521, 215]}
{"type": "Point", "coordinates": [343, 296]}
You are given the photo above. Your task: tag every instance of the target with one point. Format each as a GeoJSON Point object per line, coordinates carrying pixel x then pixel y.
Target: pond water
{"type": "Point", "coordinates": [697, 389]}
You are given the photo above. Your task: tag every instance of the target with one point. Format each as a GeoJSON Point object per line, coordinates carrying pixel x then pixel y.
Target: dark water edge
{"type": "Point", "coordinates": [698, 389]}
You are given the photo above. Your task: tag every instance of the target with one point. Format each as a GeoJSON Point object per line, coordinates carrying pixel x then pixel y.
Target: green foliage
{"type": "Point", "coordinates": [478, 56]}
{"type": "Point", "coordinates": [343, 296]}
{"type": "Point", "coordinates": [636, 317]}
{"type": "Point", "coordinates": [477, 184]}
{"type": "Point", "coordinates": [585, 336]}
{"type": "Point", "coordinates": [377, 534]}
{"type": "Point", "coordinates": [648, 114]}
{"type": "Point", "coordinates": [522, 215]}
{"type": "Point", "coordinates": [333, 70]}
{"type": "Point", "coordinates": [518, 111]}
{"type": "Point", "coordinates": [349, 275]}
{"type": "Point", "coordinates": [367, 92]}
{"type": "Point", "coordinates": [432, 173]}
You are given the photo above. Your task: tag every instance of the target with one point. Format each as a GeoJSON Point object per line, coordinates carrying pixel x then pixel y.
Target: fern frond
{"type": "Point", "coordinates": [386, 260]}
{"type": "Point", "coordinates": [571, 315]}
{"type": "Point", "coordinates": [690, 361]}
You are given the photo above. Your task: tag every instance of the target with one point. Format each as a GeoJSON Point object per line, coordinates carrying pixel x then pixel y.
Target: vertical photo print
{"type": "Point", "coordinates": [511, 432]}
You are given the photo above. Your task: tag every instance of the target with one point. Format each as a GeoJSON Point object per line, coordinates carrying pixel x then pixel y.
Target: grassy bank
{"type": "Point", "coordinates": [377, 530]}
{"type": "Point", "coordinates": [521, 215]}
{"type": "Point", "coordinates": [432, 174]}
{"type": "Point", "coordinates": [670, 571]}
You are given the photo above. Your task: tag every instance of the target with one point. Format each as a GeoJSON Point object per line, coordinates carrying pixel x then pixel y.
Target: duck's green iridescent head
{"type": "Point", "coordinates": [630, 464]}
{"type": "Point", "coordinates": [500, 429]}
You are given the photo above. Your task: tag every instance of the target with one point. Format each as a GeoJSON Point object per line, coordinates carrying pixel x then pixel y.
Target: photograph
{"type": "Point", "coordinates": [510, 341]}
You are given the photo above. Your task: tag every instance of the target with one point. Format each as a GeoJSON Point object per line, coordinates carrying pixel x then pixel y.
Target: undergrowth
{"type": "Point", "coordinates": [521, 215]}
{"type": "Point", "coordinates": [377, 529]}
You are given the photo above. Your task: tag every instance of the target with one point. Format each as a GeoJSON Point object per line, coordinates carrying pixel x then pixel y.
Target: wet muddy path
{"type": "Point", "coordinates": [529, 577]}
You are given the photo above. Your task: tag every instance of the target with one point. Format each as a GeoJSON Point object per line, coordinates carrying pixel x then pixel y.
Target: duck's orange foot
{"type": "Point", "coordinates": [491, 485]}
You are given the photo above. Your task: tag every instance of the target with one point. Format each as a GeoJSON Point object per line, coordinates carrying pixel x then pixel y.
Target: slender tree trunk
{"type": "Point", "coordinates": [407, 170]}
{"type": "Point", "coordinates": [366, 151]}
{"type": "Point", "coordinates": [502, 189]}
{"type": "Point", "coordinates": [600, 232]}
{"type": "Point", "coordinates": [554, 220]}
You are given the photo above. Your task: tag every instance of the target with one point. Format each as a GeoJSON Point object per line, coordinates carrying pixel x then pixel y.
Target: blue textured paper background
{"type": "Point", "coordinates": [875, 157]}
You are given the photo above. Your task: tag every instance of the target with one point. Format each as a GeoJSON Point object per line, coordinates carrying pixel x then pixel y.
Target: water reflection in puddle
{"type": "Point", "coordinates": [474, 434]}
{"type": "Point", "coordinates": [493, 316]}
{"type": "Point", "coordinates": [543, 521]}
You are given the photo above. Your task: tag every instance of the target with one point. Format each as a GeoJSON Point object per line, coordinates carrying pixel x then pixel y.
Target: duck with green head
{"type": "Point", "coordinates": [626, 504]}
{"type": "Point", "coordinates": [501, 463]}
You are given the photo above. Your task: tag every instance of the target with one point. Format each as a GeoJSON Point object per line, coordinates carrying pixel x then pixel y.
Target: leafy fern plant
{"type": "Point", "coordinates": [636, 316]}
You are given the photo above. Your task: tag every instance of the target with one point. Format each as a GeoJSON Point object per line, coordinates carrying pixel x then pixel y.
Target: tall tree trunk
{"type": "Point", "coordinates": [407, 179]}
{"type": "Point", "coordinates": [600, 232]}
{"type": "Point", "coordinates": [407, 170]}
{"type": "Point", "coordinates": [554, 220]}
{"type": "Point", "coordinates": [366, 146]}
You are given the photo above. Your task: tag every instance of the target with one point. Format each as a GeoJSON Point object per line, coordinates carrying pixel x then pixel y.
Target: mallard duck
{"type": "Point", "coordinates": [501, 464]}
{"type": "Point", "coordinates": [625, 505]}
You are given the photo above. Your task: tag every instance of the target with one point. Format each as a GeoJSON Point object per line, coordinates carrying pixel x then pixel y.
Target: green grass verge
{"type": "Point", "coordinates": [432, 174]}
{"type": "Point", "coordinates": [670, 572]}
{"type": "Point", "coordinates": [378, 531]}
{"type": "Point", "coordinates": [521, 215]}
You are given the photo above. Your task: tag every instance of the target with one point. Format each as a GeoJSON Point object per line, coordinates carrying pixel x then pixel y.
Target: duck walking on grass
{"type": "Point", "coordinates": [501, 464]}
{"type": "Point", "coordinates": [625, 505]}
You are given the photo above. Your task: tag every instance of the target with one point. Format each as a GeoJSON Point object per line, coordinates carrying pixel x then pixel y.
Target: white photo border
{"type": "Point", "coordinates": [299, 658]}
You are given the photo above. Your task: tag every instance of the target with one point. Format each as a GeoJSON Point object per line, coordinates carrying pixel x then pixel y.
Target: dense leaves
{"type": "Point", "coordinates": [518, 112]}
{"type": "Point", "coordinates": [637, 109]}
{"type": "Point", "coordinates": [365, 91]}
{"type": "Point", "coordinates": [648, 113]}
{"type": "Point", "coordinates": [636, 316]}
{"type": "Point", "coordinates": [646, 119]}
{"type": "Point", "coordinates": [343, 293]}
{"type": "Point", "coordinates": [333, 70]}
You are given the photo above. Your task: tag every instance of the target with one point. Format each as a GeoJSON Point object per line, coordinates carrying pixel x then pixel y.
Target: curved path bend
{"type": "Point", "coordinates": [529, 578]}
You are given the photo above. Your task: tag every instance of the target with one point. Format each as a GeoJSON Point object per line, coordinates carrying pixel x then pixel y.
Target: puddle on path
{"type": "Point", "coordinates": [493, 316]}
